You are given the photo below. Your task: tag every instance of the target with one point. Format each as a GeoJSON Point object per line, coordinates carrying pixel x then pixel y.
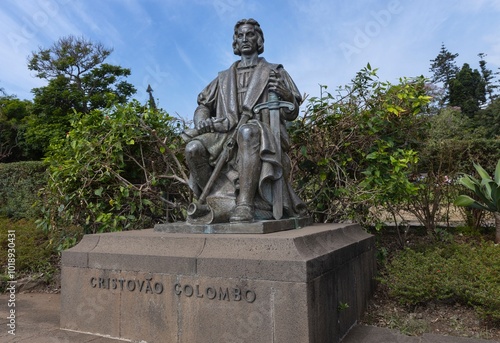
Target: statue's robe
{"type": "Point", "coordinates": [236, 91]}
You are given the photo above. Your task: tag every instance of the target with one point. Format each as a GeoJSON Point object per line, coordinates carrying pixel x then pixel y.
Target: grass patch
{"type": "Point", "coordinates": [34, 253]}
{"type": "Point", "coordinates": [467, 273]}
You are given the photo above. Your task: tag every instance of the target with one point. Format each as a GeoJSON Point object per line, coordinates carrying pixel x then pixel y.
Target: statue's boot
{"type": "Point", "coordinates": [197, 160]}
{"type": "Point", "coordinates": [249, 165]}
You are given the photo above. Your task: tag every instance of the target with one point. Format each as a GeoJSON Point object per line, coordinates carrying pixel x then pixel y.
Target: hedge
{"type": "Point", "coordinates": [455, 155]}
{"type": "Point", "coordinates": [19, 186]}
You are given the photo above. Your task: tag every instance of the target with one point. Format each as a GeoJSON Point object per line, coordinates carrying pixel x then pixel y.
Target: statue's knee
{"type": "Point", "coordinates": [194, 149]}
{"type": "Point", "coordinates": [248, 133]}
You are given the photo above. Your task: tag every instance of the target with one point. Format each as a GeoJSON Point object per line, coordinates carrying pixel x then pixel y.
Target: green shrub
{"type": "Point", "coordinates": [19, 186]}
{"type": "Point", "coordinates": [353, 150]}
{"type": "Point", "coordinates": [464, 273]}
{"type": "Point", "coordinates": [117, 169]}
{"type": "Point", "coordinates": [454, 155]}
{"type": "Point", "coordinates": [33, 251]}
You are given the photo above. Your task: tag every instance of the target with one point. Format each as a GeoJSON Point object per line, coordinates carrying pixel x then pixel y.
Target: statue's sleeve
{"type": "Point", "coordinates": [290, 85]}
{"type": "Point", "coordinates": [207, 102]}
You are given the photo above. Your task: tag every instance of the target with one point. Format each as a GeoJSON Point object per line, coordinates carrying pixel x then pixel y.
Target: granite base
{"type": "Point", "coordinates": [296, 286]}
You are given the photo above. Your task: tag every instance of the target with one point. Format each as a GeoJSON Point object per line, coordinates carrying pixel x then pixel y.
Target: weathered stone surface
{"type": "Point", "coordinates": [280, 287]}
{"type": "Point", "coordinates": [87, 311]}
{"type": "Point", "coordinates": [79, 254]}
{"type": "Point", "coordinates": [263, 226]}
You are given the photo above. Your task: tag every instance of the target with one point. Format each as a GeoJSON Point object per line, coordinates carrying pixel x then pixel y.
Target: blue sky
{"type": "Point", "coordinates": [179, 46]}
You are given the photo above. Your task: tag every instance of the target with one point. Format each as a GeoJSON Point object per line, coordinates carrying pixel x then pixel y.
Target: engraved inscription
{"type": "Point", "coordinates": [121, 284]}
{"type": "Point", "coordinates": [215, 293]}
{"type": "Point", "coordinates": [149, 286]}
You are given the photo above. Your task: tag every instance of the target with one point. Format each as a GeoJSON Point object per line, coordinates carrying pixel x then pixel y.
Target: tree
{"type": "Point", "coordinates": [78, 80]}
{"type": "Point", "coordinates": [467, 91]}
{"type": "Point", "coordinates": [12, 114]}
{"type": "Point", "coordinates": [444, 69]}
{"type": "Point", "coordinates": [488, 77]}
{"type": "Point", "coordinates": [81, 63]}
{"type": "Point", "coordinates": [487, 121]}
{"type": "Point", "coordinates": [451, 123]}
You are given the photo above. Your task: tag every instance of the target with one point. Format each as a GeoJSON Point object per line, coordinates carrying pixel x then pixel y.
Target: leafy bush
{"type": "Point", "coordinates": [465, 273]}
{"type": "Point", "coordinates": [34, 254]}
{"type": "Point", "coordinates": [20, 183]}
{"type": "Point", "coordinates": [448, 150]}
{"type": "Point", "coordinates": [354, 150]}
{"type": "Point", "coordinates": [117, 169]}
{"type": "Point", "coordinates": [453, 155]}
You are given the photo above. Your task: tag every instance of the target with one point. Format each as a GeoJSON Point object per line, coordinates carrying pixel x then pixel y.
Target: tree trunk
{"type": "Point", "coordinates": [497, 224]}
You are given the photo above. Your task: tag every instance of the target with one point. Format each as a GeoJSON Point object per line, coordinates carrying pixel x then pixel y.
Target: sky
{"type": "Point", "coordinates": [179, 46]}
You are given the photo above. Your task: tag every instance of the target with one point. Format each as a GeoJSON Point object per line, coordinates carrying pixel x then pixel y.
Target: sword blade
{"type": "Point", "coordinates": [277, 188]}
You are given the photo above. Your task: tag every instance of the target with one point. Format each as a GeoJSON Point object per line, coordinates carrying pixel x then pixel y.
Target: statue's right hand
{"type": "Point", "coordinates": [212, 125]}
{"type": "Point", "coordinates": [205, 125]}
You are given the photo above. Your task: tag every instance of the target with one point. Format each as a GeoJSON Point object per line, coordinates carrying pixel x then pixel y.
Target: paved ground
{"type": "Point", "coordinates": [37, 321]}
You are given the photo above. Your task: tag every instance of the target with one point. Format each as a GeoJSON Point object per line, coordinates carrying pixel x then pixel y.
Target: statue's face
{"type": "Point", "coordinates": [246, 39]}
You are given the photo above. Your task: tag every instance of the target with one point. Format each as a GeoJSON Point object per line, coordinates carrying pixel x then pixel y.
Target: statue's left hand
{"type": "Point", "coordinates": [277, 86]}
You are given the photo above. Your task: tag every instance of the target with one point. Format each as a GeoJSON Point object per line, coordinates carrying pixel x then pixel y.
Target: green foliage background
{"type": "Point", "coordinates": [117, 169]}
{"type": "Point", "coordinates": [457, 155]}
{"type": "Point", "coordinates": [19, 187]}
{"type": "Point", "coordinates": [356, 148]}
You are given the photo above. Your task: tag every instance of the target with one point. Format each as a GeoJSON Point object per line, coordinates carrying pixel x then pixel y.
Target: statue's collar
{"type": "Point", "coordinates": [240, 65]}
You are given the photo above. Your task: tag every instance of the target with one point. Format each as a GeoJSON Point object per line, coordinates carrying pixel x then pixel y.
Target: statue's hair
{"type": "Point", "coordinates": [256, 25]}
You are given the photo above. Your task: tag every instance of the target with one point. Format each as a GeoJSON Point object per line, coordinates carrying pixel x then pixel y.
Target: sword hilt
{"type": "Point", "coordinates": [274, 103]}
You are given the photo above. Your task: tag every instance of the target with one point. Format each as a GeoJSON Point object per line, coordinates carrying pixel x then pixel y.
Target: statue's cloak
{"type": "Point", "coordinates": [220, 101]}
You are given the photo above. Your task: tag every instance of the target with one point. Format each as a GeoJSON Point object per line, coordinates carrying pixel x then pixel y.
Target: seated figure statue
{"type": "Point", "coordinates": [236, 158]}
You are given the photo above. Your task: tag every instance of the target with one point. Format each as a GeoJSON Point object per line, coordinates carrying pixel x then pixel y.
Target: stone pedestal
{"type": "Point", "coordinates": [296, 286]}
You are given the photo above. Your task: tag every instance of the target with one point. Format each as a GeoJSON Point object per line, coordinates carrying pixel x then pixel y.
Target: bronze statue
{"type": "Point", "coordinates": [237, 153]}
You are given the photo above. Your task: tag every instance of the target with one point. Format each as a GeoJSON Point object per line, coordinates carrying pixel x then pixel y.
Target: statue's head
{"type": "Point", "coordinates": [260, 41]}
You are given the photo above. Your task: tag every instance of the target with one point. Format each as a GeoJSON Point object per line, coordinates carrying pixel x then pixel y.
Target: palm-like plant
{"type": "Point", "coordinates": [487, 190]}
